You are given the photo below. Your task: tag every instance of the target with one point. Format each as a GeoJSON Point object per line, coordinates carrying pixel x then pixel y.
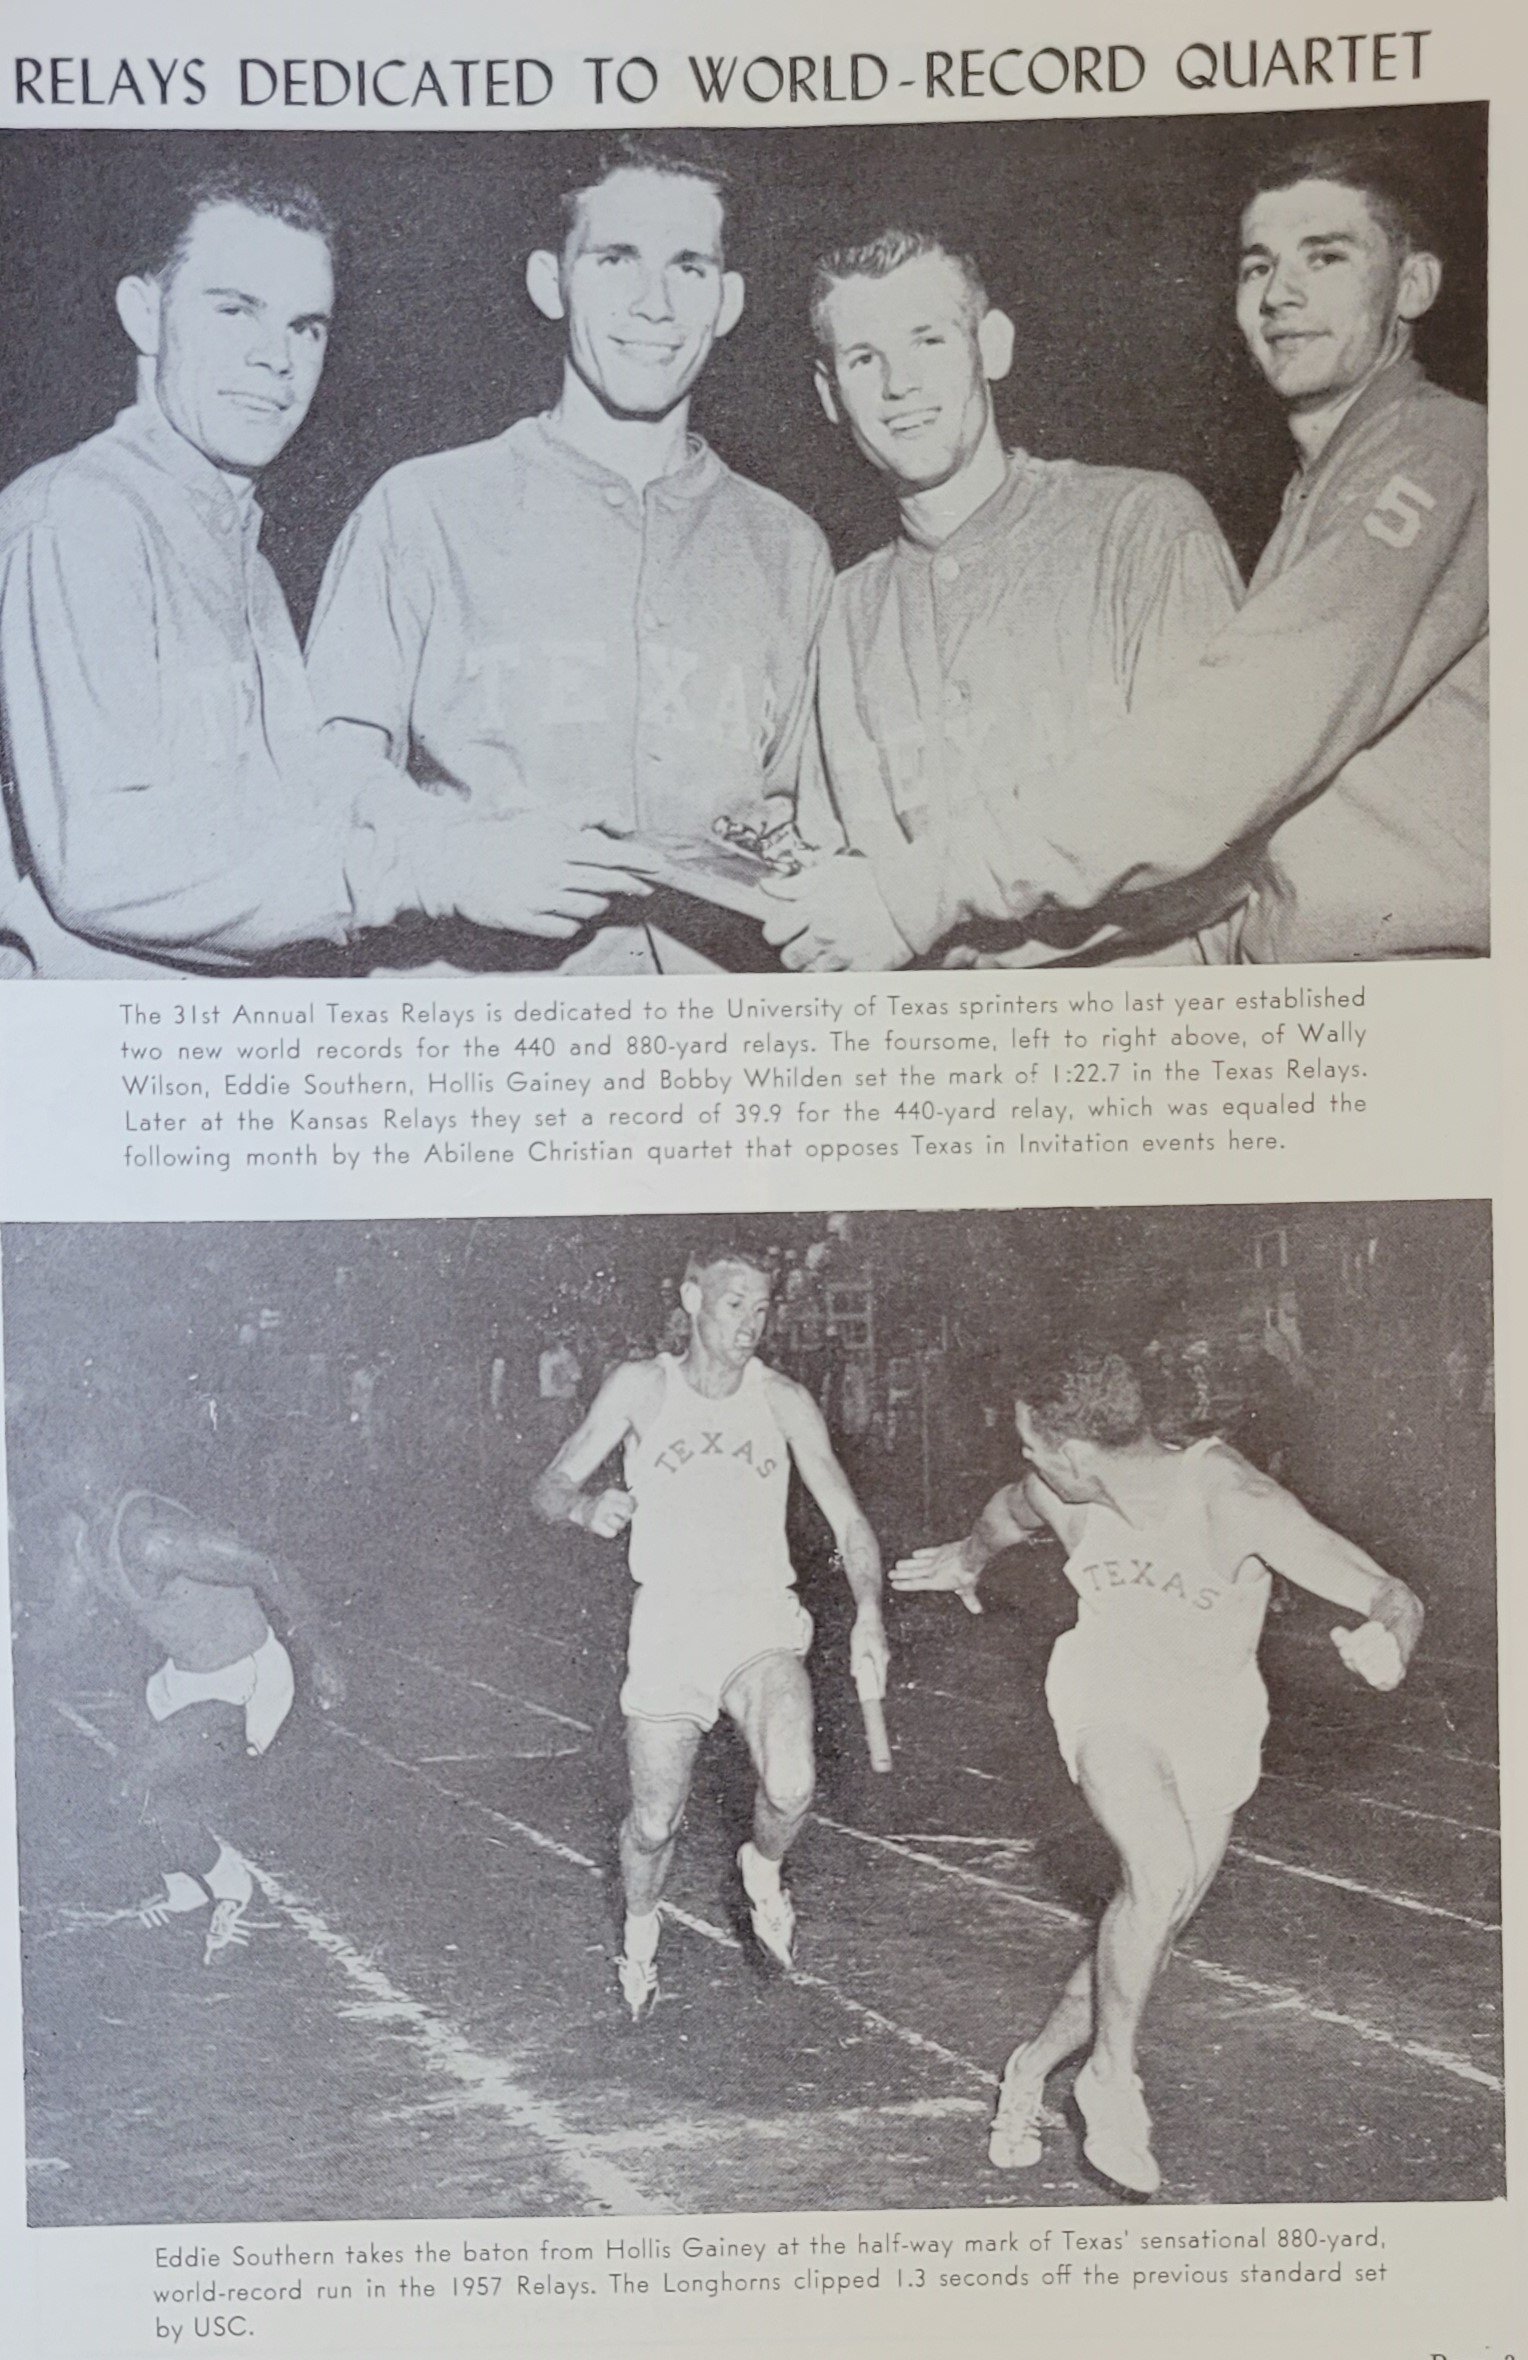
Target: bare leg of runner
{"type": "Point", "coordinates": [771, 1703]}
{"type": "Point", "coordinates": [1071, 2023]}
{"type": "Point", "coordinates": [1132, 1793]}
{"type": "Point", "coordinates": [660, 1756]}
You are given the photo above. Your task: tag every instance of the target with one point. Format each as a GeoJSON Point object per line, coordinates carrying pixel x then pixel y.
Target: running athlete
{"type": "Point", "coordinates": [1157, 1700]}
{"type": "Point", "coordinates": [709, 1437]}
{"type": "Point", "coordinates": [1027, 602]}
{"type": "Point", "coordinates": [1332, 738]}
{"type": "Point", "coordinates": [216, 1703]}
{"type": "Point", "coordinates": [590, 617]}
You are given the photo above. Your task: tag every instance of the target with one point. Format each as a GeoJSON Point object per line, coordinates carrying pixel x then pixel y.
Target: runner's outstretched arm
{"type": "Point", "coordinates": [1010, 1516]}
{"type": "Point", "coordinates": [1256, 1517]}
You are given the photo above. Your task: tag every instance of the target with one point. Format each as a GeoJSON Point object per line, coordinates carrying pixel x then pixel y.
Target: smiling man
{"type": "Point", "coordinates": [590, 615]}
{"type": "Point", "coordinates": [1333, 738]}
{"type": "Point", "coordinates": [1027, 604]}
{"type": "Point", "coordinates": [170, 802]}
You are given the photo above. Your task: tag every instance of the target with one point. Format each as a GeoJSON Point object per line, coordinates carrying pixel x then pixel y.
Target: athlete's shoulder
{"type": "Point", "coordinates": [1229, 1479]}
{"type": "Point", "coordinates": [636, 1380]}
{"type": "Point", "coordinates": [462, 476]}
{"type": "Point", "coordinates": [1134, 498]}
{"type": "Point", "coordinates": [1423, 429]}
{"type": "Point", "coordinates": [93, 488]}
{"type": "Point", "coordinates": [770, 515]}
{"type": "Point", "coordinates": [790, 1400]}
{"type": "Point", "coordinates": [1447, 421]}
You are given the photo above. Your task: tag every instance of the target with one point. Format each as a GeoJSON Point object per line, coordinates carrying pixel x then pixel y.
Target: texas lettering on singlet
{"type": "Point", "coordinates": [711, 1479]}
{"type": "Point", "coordinates": [1156, 1595]}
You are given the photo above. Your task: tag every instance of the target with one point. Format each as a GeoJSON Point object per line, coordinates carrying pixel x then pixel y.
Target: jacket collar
{"type": "Point", "coordinates": [695, 475]}
{"type": "Point", "coordinates": [1392, 384]}
{"type": "Point", "coordinates": [145, 429]}
{"type": "Point", "coordinates": [995, 514]}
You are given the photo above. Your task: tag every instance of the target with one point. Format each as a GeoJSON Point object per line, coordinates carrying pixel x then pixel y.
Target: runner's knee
{"type": "Point", "coordinates": [788, 1786]}
{"type": "Point", "coordinates": [653, 1822]}
{"type": "Point", "coordinates": [1162, 1883]}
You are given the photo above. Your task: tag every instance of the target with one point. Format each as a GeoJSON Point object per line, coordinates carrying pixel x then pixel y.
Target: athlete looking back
{"type": "Point", "coordinates": [1158, 1703]}
{"type": "Point", "coordinates": [709, 1438]}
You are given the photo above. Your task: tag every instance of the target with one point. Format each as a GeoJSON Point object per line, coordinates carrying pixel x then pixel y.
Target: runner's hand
{"type": "Point", "coordinates": [943, 1567]}
{"type": "Point", "coordinates": [532, 874]}
{"type": "Point", "coordinates": [608, 1515]}
{"type": "Point", "coordinates": [1373, 1652]}
{"type": "Point", "coordinates": [867, 1645]}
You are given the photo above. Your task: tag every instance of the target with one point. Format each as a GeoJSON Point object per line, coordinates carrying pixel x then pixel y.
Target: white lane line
{"type": "Point", "coordinates": [952, 1868]}
{"type": "Point", "coordinates": [1471, 1827]}
{"type": "Point", "coordinates": [686, 2130]}
{"type": "Point", "coordinates": [520, 1827]}
{"type": "Point", "coordinates": [423, 1663]}
{"type": "Point", "coordinates": [485, 2082]}
{"type": "Point", "coordinates": [1281, 1995]}
{"type": "Point", "coordinates": [1433, 1753]}
{"type": "Point", "coordinates": [87, 1729]}
{"type": "Point", "coordinates": [1444, 2059]}
{"type": "Point", "coordinates": [1322, 1876]}
{"type": "Point", "coordinates": [724, 1939]}
{"type": "Point", "coordinates": [1284, 1995]}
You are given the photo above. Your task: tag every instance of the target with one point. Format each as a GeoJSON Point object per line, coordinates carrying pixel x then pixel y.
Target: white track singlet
{"type": "Point", "coordinates": [711, 1480]}
{"type": "Point", "coordinates": [1158, 1595]}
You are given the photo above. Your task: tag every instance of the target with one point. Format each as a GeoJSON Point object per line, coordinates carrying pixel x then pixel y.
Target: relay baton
{"type": "Point", "coordinates": [872, 1687]}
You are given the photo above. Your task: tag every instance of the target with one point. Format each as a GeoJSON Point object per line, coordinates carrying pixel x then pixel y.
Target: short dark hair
{"type": "Point", "coordinates": [165, 231]}
{"type": "Point", "coordinates": [877, 258]}
{"type": "Point", "coordinates": [704, 1257]}
{"type": "Point", "coordinates": [677, 155]}
{"type": "Point", "coordinates": [1366, 162]}
{"type": "Point", "coordinates": [1088, 1395]}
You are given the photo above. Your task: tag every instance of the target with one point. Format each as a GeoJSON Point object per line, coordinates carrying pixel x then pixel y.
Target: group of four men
{"type": "Point", "coordinates": [1043, 722]}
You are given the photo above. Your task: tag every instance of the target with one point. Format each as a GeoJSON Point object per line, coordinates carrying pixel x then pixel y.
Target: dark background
{"type": "Point", "coordinates": [118, 1337]}
{"type": "Point", "coordinates": [451, 1824]}
{"type": "Point", "coordinates": [1112, 243]}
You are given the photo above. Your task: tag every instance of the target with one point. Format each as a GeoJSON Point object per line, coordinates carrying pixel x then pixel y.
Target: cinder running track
{"type": "Point", "coordinates": [426, 2023]}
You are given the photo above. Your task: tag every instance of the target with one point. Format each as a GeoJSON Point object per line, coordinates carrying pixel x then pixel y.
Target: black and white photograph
{"type": "Point", "coordinates": [665, 1715]}
{"type": "Point", "coordinates": [994, 544]}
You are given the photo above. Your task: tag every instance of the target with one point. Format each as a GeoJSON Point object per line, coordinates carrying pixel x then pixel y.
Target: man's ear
{"type": "Point", "coordinates": [1421, 277]}
{"type": "Point", "coordinates": [543, 280]}
{"type": "Point", "coordinates": [994, 341]}
{"type": "Point", "coordinates": [690, 1296]}
{"type": "Point", "coordinates": [732, 302]}
{"type": "Point", "coordinates": [826, 395]}
{"type": "Point", "coordinates": [139, 305]}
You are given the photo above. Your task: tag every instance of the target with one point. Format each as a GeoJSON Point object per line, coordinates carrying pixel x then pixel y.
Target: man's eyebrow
{"type": "Point", "coordinates": [612, 246]}
{"type": "Point", "coordinates": [237, 295]}
{"type": "Point", "coordinates": [313, 319]}
{"type": "Point", "coordinates": [697, 254]}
